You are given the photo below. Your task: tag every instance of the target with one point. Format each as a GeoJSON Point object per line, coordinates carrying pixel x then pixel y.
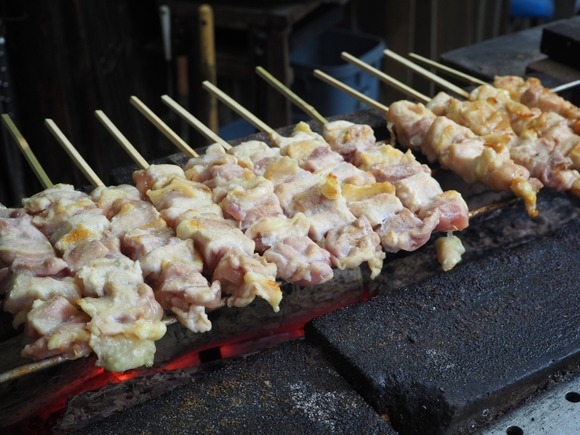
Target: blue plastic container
{"type": "Point", "coordinates": [323, 53]}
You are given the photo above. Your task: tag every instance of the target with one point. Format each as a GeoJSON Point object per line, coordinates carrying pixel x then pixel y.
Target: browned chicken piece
{"type": "Point", "coordinates": [412, 181]}
{"type": "Point", "coordinates": [460, 150]}
{"type": "Point", "coordinates": [531, 93]}
{"type": "Point", "coordinates": [542, 154]}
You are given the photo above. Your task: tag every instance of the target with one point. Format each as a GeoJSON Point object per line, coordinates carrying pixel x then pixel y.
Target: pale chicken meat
{"type": "Point", "coordinates": [170, 265]}
{"type": "Point", "coordinates": [75, 225]}
{"type": "Point", "coordinates": [24, 248]}
{"type": "Point", "coordinates": [348, 138]}
{"type": "Point", "coordinates": [228, 255]}
{"type": "Point", "coordinates": [52, 206]}
{"type": "Point", "coordinates": [354, 244]}
{"type": "Point", "coordinates": [258, 153]}
{"type": "Point", "coordinates": [387, 163]}
{"type": "Point", "coordinates": [177, 197]}
{"type": "Point", "coordinates": [449, 251]}
{"type": "Point", "coordinates": [174, 271]}
{"type": "Point", "coordinates": [404, 230]}
{"type": "Point", "coordinates": [138, 242]}
{"type": "Point", "coordinates": [123, 311]}
{"type": "Point", "coordinates": [535, 120]}
{"type": "Point", "coordinates": [320, 199]}
{"type": "Point", "coordinates": [58, 327]}
{"type": "Point", "coordinates": [250, 199]}
{"type": "Point", "coordinates": [416, 206]}
{"type": "Point", "coordinates": [314, 154]}
{"type": "Point", "coordinates": [24, 289]}
{"type": "Point", "coordinates": [415, 189]}
{"type": "Point", "coordinates": [125, 318]}
{"type": "Point", "coordinates": [532, 93]}
{"type": "Point", "coordinates": [316, 196]}
{"type": "Point", "coordinates": [285, 242]}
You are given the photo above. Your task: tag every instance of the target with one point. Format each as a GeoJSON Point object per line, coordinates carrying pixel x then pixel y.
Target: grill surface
{"type": "Point", "coordinates": [446, 355]}
{"type": "Point", "coordinates": [433, 352]}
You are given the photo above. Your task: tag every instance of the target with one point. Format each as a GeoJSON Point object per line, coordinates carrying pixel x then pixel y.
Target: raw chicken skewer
{"type": "Point", "coordinates": [249, 199]}
{"type": "Point", "coordinates": [456, 147]}
{"type": "Point", "coordinates": [356, 144]}
{"type": "Point", "coordinates": [398, 227]}
{"type": "Point", "coordinates": [228, 255]}
{"type": "Point", "coordinates": [105, 284]}
{"type": "Point", "coordinates": [292, 265]}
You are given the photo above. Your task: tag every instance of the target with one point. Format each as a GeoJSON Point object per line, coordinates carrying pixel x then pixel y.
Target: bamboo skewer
{"type": "Point", "coordinates": [121, 139]}
{"type": "Point", "coordinates": [233, 104]}
{"type": "Point", "coordinates": [451, 71]}
{"type": "Point", "coordinates": [163, 127]}
{"type": "Point", "coordinates": [474, 80]}
{"type": "Point", "coordinates": [28, 154]}
{"type": "Point", "coordinates": [287, 92]}
{"type": "Point", "coordinates": [194, 122]}
{"type": "Point", "coordinates": [428, 74]}
{"type": "Point", "coordinates": [350, 91]}
{"type": "Point", "coordinates": [73, 153]}
{"type": "Point", "coordinates": [26, 369]}
{"type": "Point", "coordinates": [384, 77]}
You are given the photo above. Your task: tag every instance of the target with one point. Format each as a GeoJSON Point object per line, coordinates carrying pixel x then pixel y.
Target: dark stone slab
{"type": "Point", "coordinates": [289, 389]}
{"type": "Point", "coordinates": [505, 55]}
{"type": "Point", "coordinates": [504, 228]}
{"type": "Point", "coordinates": [454, 352]}
{"type": "Point", "coordinates": [561, 41]}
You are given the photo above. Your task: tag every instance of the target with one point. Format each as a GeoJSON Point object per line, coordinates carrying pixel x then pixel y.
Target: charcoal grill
{"type": "Point", "coordinates": [416, 351]}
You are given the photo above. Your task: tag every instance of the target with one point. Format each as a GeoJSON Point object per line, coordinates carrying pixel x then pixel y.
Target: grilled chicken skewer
{"type": "Point", "coordinates": [542, 156]}
{"type": "Point", "coordinates": [350, 240]}
{"type": "Point", "coordinates": [456, 147]}
{"type": "Point", "coordinates": [249, 199]}
{"type": "Point", "coordinates": [311, 266]}
{"type": "Point", "coordinates": [540, 141]}
{"type": "Point", "coordinates": [535, 112]}
{"type": "Point", "coordinates": [346, 145]}
{"type": "Point", "coordinates": [316, 198]}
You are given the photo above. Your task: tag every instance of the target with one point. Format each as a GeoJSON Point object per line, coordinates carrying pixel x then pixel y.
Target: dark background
{"type": "Point", "coordinates": [63, 59]}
